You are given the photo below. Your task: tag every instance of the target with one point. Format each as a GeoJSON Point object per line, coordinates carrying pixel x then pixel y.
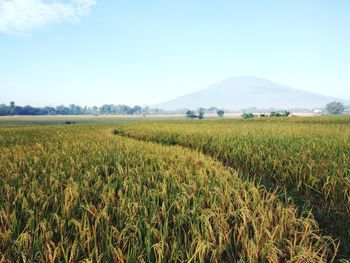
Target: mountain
{"type": "Point", "coordinates": [245, 92]}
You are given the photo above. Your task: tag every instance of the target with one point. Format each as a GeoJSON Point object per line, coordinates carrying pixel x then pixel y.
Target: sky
{"type": "Point", "coordinates": [94, 52]}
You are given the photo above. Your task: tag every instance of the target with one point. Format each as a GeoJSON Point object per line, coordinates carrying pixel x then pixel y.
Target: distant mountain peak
{"type": "Point", "coordinates": [247, 81]}
{"type": "Point", "coordinates": [237, 93]}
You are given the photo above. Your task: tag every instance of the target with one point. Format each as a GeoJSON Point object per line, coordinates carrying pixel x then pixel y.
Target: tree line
{"type": "Point", "coordinates": [333, 108]}
{"type": "Point", "coordinates": [106, 109]}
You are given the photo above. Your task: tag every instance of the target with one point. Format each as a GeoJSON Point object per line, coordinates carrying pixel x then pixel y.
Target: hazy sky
{"type": "Point", "coordinates": [91, 52]}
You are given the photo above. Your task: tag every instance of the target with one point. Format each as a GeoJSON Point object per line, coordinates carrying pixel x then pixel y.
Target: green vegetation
{"type": "Point", "coordinates": [193, 115]}
{"type": "Point", "coordinates": [284, 113]}
{"type": "Point", "coordinates": [106, 109]}
{"type": "Point", "coordinates": [247, 115]}
{"type": "Point", "coordinates": [220, 191]}
{"type": "Point", "coordinates": [335, 108]}
{"type": "Point", "coordinates": [220, 113]}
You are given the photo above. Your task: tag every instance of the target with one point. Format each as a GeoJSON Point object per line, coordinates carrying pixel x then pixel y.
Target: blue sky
{"type": "Point", "coordinates": [91, 52]}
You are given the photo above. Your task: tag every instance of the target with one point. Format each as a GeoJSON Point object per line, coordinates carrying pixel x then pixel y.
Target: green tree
{"type": "Point", "coordinates": [220, 113]}
{"type": "Point", "coordinates": [106, 109]}
{"type": "Point", "coordinates": [286, 113]}
{"type": "Point", "coordinates": [335, 108]}
{"type": "Point", "coordinates": [12, 108]}
{"type": "Point", "coordinates": [4, 110]}
{"type": "Point", "coordinates": [247, 115]}
{"type": "Point", "coordinates": [136, 110]}
{"type": "Point", "coordinates": [94, 110]}
{"type": "Point", "coordinates": [190, 114]}
{"type": "Point", "coordinates": [201, 114]}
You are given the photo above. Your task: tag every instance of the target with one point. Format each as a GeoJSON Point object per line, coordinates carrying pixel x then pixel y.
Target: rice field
{"type": "Point", "coordinates": [176, 191]}
{"type": "Point", "coordinates": [305, 159]}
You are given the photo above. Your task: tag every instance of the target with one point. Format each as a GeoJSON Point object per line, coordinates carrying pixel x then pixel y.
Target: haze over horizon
{"type": "Point", "coordinates": [92, 52]}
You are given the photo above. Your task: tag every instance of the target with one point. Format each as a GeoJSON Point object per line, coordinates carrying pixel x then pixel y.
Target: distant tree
{"type": "Point", "coordinates": [4, 110]}
{"type": "Point", "coordinates": [145, 110]}
{"type": "Point", "coordinates": [106, 109]}
{"type": "Point", "coordinates": [123, 109]}
{"type": "Point", "coordinates": [49, 110]}
{"type": "Point", "coordinates": [220, 113]}
{"type": "Point", "coordinates": [286, 113]}
{"type": "Point", "coordinates": [62, 110]}
{"type": "Point", "coordinates": [12, 108]}
{"type": "Point", "coordinates": [275, 114]}
{"type": "Point", "coordinates": [74, 109]}
{"type": "Point", "coordinates": [335, 108]}
{"type": "Point", "coordinates": [247, 115]}
{"type": "Point", "coordinates": [136, 110]}
{"type": "Point", "coordinates": [201, 114]}
{"type": "Point", "coordinates": [190, 114]}
{"type": "Point", "coordinates": [28, 110]}
{"type": "Point", "coordinates": [95, 110]}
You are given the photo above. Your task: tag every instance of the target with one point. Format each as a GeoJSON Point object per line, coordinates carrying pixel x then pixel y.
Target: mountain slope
{"type": "Point", "coordinates": [244, 92]}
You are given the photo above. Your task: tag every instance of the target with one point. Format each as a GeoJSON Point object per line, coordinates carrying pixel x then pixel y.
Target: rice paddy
{"type": "Point", "coordinates": [176, 191]}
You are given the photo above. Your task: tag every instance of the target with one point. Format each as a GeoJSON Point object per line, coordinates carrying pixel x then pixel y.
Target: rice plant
{"type": "Point", "coordinates": [305, 159]}
{"type": "Point", "coordinates": [83, 194]}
